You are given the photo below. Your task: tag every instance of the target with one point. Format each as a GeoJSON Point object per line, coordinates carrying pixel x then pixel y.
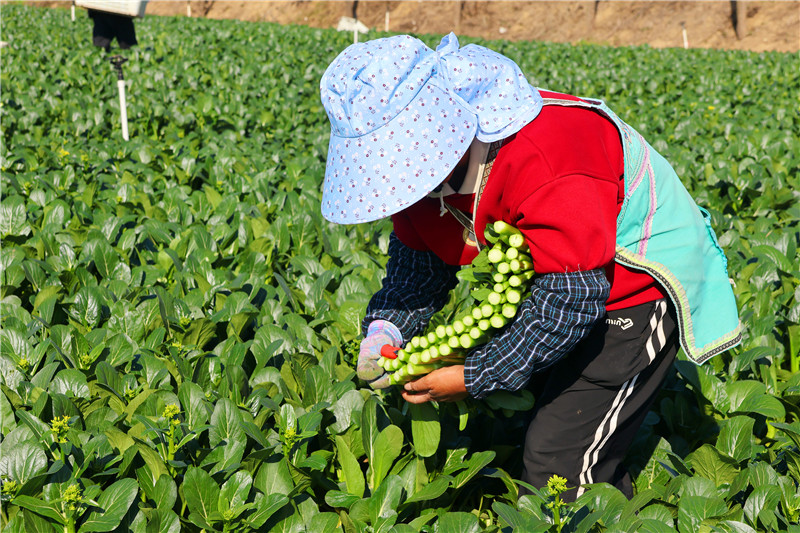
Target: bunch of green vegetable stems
{"type": "Point", "coordinates": [505, 283]}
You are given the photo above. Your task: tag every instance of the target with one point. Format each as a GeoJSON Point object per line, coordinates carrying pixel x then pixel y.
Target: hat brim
{"type": "Point", "coordinates": [378, 174]}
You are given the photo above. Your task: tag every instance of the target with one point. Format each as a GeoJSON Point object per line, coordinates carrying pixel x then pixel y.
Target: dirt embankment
{"type": "Point", "coordinates": [724, 24]}
{"type": "Point", "coordinates": [761, 25]}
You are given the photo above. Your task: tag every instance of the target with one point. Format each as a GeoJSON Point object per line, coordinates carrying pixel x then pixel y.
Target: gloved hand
{"type": "Point", "coordinates": [379, 332]}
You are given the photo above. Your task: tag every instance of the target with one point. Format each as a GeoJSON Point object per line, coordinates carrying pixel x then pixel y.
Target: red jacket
{"type": "Point", "coordinates": [560, 181]}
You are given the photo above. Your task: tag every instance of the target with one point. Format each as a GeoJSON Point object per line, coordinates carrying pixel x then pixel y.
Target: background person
{"type": "Point", "coordinates": [627, 267]}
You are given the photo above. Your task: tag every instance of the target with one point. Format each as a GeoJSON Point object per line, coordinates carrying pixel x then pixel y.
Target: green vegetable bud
{"type": "Point", "coordinates": [498, 321]}
{"type": "Point", "coordinates": [509, 310]}
{"type": "Point", "coordinates": [503, 228]}
{"type": "Point", "coordinates": [466, 341]}
{"type": "Point", "coordinates": [419, 370]}
{"type": "Point", "coordinates": [496, 298]}
{"type": "Point", "coordinates": [495, 255]}
{"type": "Point", "coordinates": [517, 241]}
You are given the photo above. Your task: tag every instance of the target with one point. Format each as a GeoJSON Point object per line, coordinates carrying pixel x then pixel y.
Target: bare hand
{"type": "Point", "coordinates": [442, 385]}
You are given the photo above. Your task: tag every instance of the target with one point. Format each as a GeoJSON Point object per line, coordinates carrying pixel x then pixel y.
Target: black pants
{"type": "Point", "coordinates": [590, 404]}
{"type": "Point", "coordinates": [108, 26]}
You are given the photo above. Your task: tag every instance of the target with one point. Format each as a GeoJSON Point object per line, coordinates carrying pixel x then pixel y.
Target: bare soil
{"type": "Point", "coordinates": [762, 25]}
{"type": "Point", "coordinates": [724, 24]}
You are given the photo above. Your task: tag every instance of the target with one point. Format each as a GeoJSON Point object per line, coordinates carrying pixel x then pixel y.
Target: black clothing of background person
{"type": "Point", "coordinates": [108, 26]}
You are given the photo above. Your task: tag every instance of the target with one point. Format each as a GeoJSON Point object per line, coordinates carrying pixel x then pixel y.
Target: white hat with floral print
{"type": "Point", "coordinates": [403, 115]}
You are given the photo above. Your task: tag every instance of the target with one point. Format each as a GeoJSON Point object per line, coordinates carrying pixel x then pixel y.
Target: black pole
{"type": "Point", "coordinates": [117, 61]}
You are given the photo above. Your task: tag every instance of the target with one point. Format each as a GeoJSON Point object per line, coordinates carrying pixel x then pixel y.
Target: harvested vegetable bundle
{"type": "Point", "coordinates": [502, 274]}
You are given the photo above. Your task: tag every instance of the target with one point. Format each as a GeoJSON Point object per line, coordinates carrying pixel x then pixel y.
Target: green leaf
{"type": "Point", "coordinates": [114, 503]}
{"type": "Point", "coordinates": [200, 492]}
{"type": "Point", "coordinates": [765, 404]}
{"type": "Point", "coordinates": [340, 500]}
{"type": "Point", "coordinates": [765, 498]}
{"type": "Point", "coordinates": [70, 382]}
{"type": "Point", "coordinates": [749, 396]}
{"type": "Point", "coordinates": [266, 506]}
{"type": "Point", "coordinates": [707, 384]}
{"type": "Point", "coordinates": [351, 469]}
{"type": "Point", "coordinates": [165, 493]}
{"type": "Point", "coordinates": [711, 464]}
{"type": "Point", "coordinates": [425, 428]}
{"type": "Point", "coordinates": [153, 462]}
{"type": "Point", "coordinates": [235, 491]}
{"type": "Point", "coordinates": [324, 522]}
{"type": "Point", "coordinates": [13, 217]}
{"type": "Point", "coordinates": [369, 425]}
{"type": "Point", "coordinates": [227, 434]}
{"type": "Point", "coordinates": [516, 401]}
{"type": "Point", "coordinates": [474, 465]}
{"type": "Point", "coordinates": [32, 523]}
{"type": "Point", "coordinates": [693, 509]}
{"type": "Point", "coordinates": [659, 513]}
{"type": "Point", "coordinates": [22, 462]}
{"type": "Point", "coordinates": [285, 520]}
{"type": "Point", "coordinates": [42, 508]}
{"type": "Point", "coordinates": [274, 477]}
{"type": "Point", "coordinates": [735, 438]}
{"type": "Point", "coordinates": [384, 502]}
{"type": "Point", "coordinates": [193, 402]}
{"type": "Point", "coordinates": [164, 521]}
{"type": "Point", "coordinates": [650, 525]}
{"type": "Point", "coordinates": [344, 409]}
{"type": "Point", "coordinates": [432, 490]}
{"type": "Point", "coordinates": [198, 333]}
{"type": "Point", "coordinates": [87, 306]}
{"type": "Point", "coordinates": [38, 427]}
{"type": "Point", "coordinates": [779, 259]}
{"type": "Point", "coordinates": [387, 447]}
{"type": "Point", "coordinates": [458, 522]}
{"type": "Point", "coordinates": [105, 259]}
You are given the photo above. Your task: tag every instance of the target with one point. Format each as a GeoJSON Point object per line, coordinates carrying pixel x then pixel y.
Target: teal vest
{"type": "Point", "coordinates": [662, 231]}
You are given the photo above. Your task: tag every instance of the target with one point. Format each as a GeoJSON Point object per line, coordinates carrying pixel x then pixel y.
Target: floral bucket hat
{"type": "Point", "coordinates": [403, 115]}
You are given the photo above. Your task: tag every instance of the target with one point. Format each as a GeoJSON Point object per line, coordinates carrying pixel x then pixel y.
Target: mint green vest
{"type": "Point", "coordinates": [662, 231]}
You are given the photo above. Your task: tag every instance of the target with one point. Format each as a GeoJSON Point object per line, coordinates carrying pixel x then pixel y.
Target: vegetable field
{"type": "Point", "coordinates": [179, 324]}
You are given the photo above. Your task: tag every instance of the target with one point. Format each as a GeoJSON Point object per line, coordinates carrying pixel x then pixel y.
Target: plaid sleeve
{"type": "Point", "coordinates": [417, 284]}
{"type": "Point", "coordinates": [560, 311]}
